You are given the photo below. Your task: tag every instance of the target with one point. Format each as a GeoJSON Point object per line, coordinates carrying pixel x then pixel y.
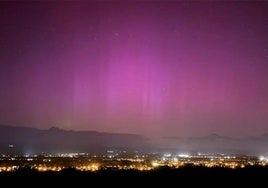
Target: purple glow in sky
{"type": "Point", "coordinates": [153, 68]}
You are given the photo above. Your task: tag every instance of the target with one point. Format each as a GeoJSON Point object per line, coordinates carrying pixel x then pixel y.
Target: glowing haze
{"type": "Point", "coordinates": [153, 68]}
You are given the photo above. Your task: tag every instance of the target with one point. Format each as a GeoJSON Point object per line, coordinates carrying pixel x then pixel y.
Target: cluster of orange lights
{"type": "Point", "coordinates": [91, 167]}
{"type": "Point", "coordinates": [144, 165]}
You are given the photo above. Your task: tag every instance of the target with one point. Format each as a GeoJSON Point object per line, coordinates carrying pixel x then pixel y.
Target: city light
{"type": "Point", "coordinates": [138, 161]}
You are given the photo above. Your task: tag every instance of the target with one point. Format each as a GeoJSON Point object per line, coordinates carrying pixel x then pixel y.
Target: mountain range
{"type": "Point", "coordinates": [54, 140]}
{"type": "Point", "coordinates": [215, 143]}
{"type": "Point", "coordinates": [24, 140]}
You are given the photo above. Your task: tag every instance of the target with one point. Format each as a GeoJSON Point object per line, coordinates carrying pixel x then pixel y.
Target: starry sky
{"type": "Point", "coordinates": [153, 68]}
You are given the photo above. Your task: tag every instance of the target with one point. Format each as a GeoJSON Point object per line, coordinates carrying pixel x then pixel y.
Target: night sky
{"type": "Point", "coordinates": [152, 68]}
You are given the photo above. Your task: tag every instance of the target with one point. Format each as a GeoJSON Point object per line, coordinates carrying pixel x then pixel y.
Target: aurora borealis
{"type": "Point", "coordinates": [155, 68]}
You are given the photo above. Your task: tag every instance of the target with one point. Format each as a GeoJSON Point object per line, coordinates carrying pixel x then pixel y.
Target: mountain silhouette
{"type": "Point", "coordinates": [26, 140]}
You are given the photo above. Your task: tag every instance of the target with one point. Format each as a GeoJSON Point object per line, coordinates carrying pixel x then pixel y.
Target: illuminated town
{"type": "Point", "coordinates": [123, 160]}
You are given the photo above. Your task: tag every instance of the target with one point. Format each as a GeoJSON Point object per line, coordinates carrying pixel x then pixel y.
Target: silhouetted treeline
{"type": "Point", "coordinates": [161, 171]}
{"type": "Point", "coordinates": [188, 175]}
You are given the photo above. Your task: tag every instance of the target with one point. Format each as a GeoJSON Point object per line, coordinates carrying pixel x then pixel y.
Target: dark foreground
{"type": "Point", "coordinates": [165, 176]}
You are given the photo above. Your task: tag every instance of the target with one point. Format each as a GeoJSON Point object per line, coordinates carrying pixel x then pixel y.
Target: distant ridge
{"type": "Point", "coordinates": [25, 140]}
{"type": "Point", "coordinates": [55, 140]}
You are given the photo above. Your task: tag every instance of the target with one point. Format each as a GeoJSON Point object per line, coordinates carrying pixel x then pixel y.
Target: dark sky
{"type": "Point", "coordinates": [153, 68]}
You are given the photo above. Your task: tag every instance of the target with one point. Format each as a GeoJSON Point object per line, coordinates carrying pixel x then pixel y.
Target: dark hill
{"type": "Point", "coordinates": [30, 140]}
